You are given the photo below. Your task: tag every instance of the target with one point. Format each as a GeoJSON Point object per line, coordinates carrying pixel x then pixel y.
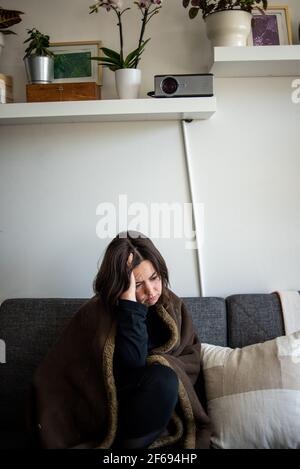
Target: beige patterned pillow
{"type": "Point", "coordinates": [253, 393]}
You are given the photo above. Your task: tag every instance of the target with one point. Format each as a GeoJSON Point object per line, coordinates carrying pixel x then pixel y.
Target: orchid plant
{"type": "Point", "coordinates": [116, 60]}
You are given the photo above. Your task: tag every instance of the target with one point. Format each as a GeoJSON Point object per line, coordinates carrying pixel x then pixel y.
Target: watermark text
{"type": "Point", "coordinates": [155, 220]}
{"type": "Point", "coordinates": [2, 351]}
{"type": "Point", "coordinates": [296, 92]}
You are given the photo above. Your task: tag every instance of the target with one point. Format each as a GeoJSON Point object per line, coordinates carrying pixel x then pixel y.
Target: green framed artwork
{"type": "Point", "coordinates": [72, 61]}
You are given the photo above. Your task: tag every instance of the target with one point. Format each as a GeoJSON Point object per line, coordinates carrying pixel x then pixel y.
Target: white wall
{"type": "Point", "coordinates": [245, 160]}
{"type": "Point", "coordinates": [247, 166]}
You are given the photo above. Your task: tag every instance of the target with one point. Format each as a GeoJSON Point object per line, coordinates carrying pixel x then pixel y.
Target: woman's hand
{"type": "Point", "coordinates": [130, 293]}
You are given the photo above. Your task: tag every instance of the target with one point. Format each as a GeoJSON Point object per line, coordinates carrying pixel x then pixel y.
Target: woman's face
{"type": "Point", "coordinates": [148, 283]}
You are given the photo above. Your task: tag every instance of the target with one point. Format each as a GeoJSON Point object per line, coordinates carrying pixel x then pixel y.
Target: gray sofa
{"type": "Point", "coordinates": [30, 326]}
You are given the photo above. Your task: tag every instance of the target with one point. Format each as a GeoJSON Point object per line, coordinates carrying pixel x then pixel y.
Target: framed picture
{"type": "Point", "coordinates": [72, 61]}
{"type": "Point", "coordinates": [271, 29]}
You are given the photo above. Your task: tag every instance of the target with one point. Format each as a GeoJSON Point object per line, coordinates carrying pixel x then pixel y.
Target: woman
{"type": "Point", "coordinates": [123, 374]}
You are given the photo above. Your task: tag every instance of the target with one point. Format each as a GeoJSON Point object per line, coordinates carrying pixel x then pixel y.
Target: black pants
{"type": "Point", "coordinates": [147, 399]}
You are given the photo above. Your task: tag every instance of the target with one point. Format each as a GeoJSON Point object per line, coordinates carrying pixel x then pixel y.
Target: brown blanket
{"type": "Point", "coordinates": [73, 395]}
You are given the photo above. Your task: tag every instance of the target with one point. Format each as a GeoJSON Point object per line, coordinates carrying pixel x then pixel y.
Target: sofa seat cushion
{"type": "Point", "coordinates": [253, 393]}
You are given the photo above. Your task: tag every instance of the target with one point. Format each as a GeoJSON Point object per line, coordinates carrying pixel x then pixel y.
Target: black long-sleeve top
{"type": "Point", "coordinates": [139, 329]}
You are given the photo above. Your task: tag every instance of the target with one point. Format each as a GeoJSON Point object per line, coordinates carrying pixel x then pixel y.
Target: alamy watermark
{"type": "Point", "coordinates": [2, 351]}
{"type": "Point", "coordinates": [296, 93]}
{"type": "Point", "coordinates": [155, 220]}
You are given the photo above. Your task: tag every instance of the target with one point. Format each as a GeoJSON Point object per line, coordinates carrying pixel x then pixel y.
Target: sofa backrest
{"type": "Point", "coordinates": [209, 318]}
{"type": "Point", "coordinates": [238, 321]}
{"type": "Point", "coordinates": [253, 318]}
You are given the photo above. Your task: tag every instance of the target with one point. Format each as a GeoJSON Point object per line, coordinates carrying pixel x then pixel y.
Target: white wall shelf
{"type": "Point", "coordinates": [257, 61]}
{"type": "Point", "coordinates": [108, 110]}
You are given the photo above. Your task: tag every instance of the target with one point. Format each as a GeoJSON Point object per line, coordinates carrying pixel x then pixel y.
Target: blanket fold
{"type": "Point", "coordinates": [290, 306]}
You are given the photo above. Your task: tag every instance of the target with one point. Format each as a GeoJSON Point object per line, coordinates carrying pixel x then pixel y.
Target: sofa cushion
{"type": "Point", "coordinates": [253, 318]}
{"type": "Point", "coordinates": [209, 318]}
{"type": "Point", "coordinates": [253, 393]}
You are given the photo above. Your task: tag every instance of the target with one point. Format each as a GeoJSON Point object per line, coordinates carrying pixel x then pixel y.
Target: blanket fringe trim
{"type": "Point", "coordinates": [111, 390]}
{"type": "Point", "coordinates": [169, 321]}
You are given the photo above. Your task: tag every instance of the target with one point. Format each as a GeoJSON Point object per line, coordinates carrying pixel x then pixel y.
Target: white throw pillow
{"type": "Point", "coordinates": [253, 393]}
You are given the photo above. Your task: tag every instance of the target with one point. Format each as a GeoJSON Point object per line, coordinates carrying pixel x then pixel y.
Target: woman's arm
{"type": "Point", "coordinates": [131, 347]}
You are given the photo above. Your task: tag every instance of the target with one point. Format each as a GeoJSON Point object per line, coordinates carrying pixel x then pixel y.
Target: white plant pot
{"type": "Point", "coordinates": [128, 82]}
{"type": "Point", "coordinates": [1, 42]}
{"type": "Point", "coordinates": [228, 28]}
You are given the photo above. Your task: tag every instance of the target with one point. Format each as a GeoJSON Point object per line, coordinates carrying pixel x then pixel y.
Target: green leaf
{"type": "Point", "coordinates": [106, 59]}
{"type": "Point", "coordinates": [136, 52]}
{"type": "Point", "coordinates": [7, 31]}
{"type": "Point", "coordinates": [133, 58]}
{"type": "Point", "coordinates": [110, 53]}
{"type": "Point", "coordinates": [193, 12]}
{"type": "Point", "coordinates": [130, 57]}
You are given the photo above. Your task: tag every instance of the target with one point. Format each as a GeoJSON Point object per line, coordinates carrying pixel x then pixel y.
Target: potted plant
{"type": "Point", "coordinates": [7, 19]}
{"type": "Point", "coordinates": [228, 22]}
{"type": "Point", "coordinates": [128, 76]}
{"type": "Point", "coordinates": [39, 60]}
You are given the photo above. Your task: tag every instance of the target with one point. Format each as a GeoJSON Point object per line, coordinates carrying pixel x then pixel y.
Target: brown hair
{"type": "Point", "coordinates": [113, 277]}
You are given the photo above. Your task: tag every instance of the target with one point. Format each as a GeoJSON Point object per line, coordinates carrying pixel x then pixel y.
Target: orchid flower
{"type": "Point", "coordinates": [114, 60]}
